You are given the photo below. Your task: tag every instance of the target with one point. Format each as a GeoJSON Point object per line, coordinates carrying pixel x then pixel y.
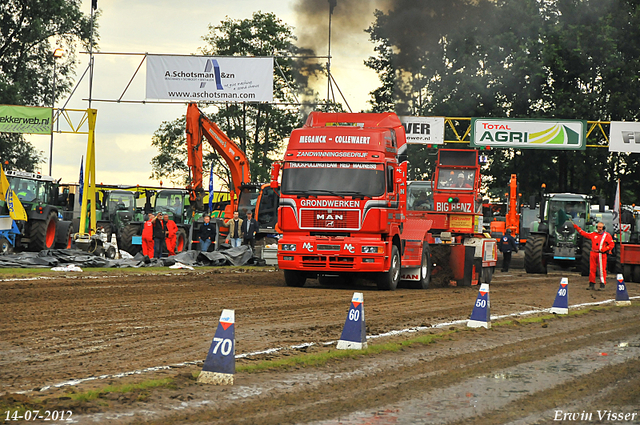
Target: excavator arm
{"type": "Point", "coordinates": [199, 126]}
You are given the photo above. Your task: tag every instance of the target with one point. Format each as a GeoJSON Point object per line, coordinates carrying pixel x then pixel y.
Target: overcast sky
{"type": "Point", "coordinates": [124, 131]}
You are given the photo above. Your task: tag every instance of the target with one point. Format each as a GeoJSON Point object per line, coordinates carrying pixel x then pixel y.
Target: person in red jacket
{"type": "Point", "coordinates": [147, 236]}
{"type": "Point", "coordinates": [601, 245]}
{"type": "Point", "coordinates": [171, 231]}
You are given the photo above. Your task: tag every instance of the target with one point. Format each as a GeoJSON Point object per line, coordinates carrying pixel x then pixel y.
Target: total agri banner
{"type": "Point", "coordinates": [624, 136]}
{"type": "Point", "coordinates": [26, 119]}
{"type": "Point", "coordinates": [529, 133]}
{"type": "Point", "coordinates": [425, 130]}
{"type": "Point", "coordinates": [209, 78]}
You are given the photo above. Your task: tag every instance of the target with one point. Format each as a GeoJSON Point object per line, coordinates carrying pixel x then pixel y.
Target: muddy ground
{"type": "Point", "coordinates": [72, 327]}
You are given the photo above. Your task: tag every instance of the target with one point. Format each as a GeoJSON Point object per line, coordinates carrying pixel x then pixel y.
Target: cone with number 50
{"type": "Point", "coordinates": [480, 316]}
{"type": "Point", "coordinates": [220, 365]}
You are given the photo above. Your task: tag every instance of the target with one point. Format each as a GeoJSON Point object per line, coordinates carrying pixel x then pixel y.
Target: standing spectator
{"type": "Point", "coordinates": [250, 227]}
{"type": "Point", "coordinates": [507, 246]}
{"type": "Point", "coordinates": [147, 236]}
{"type": "Point", "coordinates": [158, 236]}
{"type": "Point", "coordinates": [170, 233]}
{"type": "Point", "coordinates": [601, 245]}
{"type": "Point", "coordinates": [235, 230]}
{"type": "Point", "coordinates": [207, 234]}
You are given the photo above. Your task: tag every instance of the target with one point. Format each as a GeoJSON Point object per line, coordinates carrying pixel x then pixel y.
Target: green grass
{"type": "Point", "coordinates": [320, 359]}
{"type": "Point", "coordinates": [126, 388]}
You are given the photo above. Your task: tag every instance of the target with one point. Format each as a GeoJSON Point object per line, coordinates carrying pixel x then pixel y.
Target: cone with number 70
{"type": "Point", "coordinates": [480, 316]}
{"type": "Point", "coordinates": [220, 366]}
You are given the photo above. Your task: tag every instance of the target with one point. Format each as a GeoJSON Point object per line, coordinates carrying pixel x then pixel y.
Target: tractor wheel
{"type": "Point", "coordinates": [627, 273]}
{"type": "Point", "coordinates": [181, 241]}
{"type": "Point", "coordinates": [425, 270]}
{"type": "Point", "coordinates": [534, 261]}
{"type": "Point", "coordinates": [295, 278]}
{"type": "Point", "coordinates": [585, 261]}
{"type": "Point", "coordinates": [5, 246]}
{"type": "Point", "coordinates": [616, 265]}
{"type": "Point", "coordinates": [68, 240]}
{"type": "Point", "coordinates": [43, 233]}
{"type": "Point", "coordinates": [388, 281]}
{"type": "Point", "coordinates": [127, 233]}
{"type": "Point", "coordinates": [636, 274]}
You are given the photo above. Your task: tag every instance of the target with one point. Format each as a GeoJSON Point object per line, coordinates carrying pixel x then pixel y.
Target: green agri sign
{"type": "Point", "coordinates": [25, 119]}
{"type": "Point", "coordinates": [528, 134]}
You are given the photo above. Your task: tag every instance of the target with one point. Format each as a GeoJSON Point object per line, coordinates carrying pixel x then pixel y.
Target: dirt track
{"type": "Point", "coordinates": [59, 329]}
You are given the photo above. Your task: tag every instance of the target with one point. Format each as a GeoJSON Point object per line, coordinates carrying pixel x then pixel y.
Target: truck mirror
{"type": "Point", "coordinates": [275, 172]}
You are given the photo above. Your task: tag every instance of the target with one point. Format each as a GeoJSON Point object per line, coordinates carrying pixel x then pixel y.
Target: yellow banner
{"type": "Point", "coordinates": [16, 210]}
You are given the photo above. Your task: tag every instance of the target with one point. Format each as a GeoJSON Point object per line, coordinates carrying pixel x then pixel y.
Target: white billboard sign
{"type": "Point", "coordinates": [425, 130]}
{"type": "Point", "coordinates": [624, 136]}
{"type": "Point", "coordinates": [209, 78]}
{"type": "Point", "coordinates": [528, 133]}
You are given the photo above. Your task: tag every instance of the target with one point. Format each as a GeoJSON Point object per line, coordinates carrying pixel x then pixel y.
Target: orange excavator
{"type": "Point", "coordinates": [246, 196]}
{"type": "Point", "coordinates": [512, 219]}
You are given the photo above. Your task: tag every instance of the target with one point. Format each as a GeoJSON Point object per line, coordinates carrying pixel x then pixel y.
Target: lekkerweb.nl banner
{"type": "Point", "coordinates": [529, 133]}
{"type": "Point", "coordinates": [624, 136]}
{"type": "Point", "coordinates": [208, 78]}
{"type": "Point", "coordinates": [26, 119]}
{"type": "Point", "coordinates": [424, 130]}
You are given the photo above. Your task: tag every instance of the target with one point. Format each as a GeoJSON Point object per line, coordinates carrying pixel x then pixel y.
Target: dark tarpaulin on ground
{"type": "Point", "coordinates": [59, 257]}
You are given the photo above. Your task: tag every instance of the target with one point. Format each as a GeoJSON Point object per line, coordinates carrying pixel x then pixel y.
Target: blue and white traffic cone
{"type": "Point", "coordinates": [220, 366]}
{"type": "Point", "coordinates": [622, 297]}
{"type": "Point", "coordinates": [354, 333]}
{"type": "Point", "coordinates": [561, 303]}
{"type": "Point", "coordinates": [480, 316]}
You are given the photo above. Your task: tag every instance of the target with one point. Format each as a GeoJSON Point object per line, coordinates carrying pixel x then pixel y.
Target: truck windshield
{"type": "Point", "coordinates": [339, 179]}
{"type": "Point", "coordinates": [561, 211]}
{"type": "Point", "coordinates": [420, 196]}
{"type": "Point", "coordinates": [29, 190]}
{"type": "Point", "coordinates": [456, 179]}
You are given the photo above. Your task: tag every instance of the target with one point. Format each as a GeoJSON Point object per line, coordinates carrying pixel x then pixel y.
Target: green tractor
{"type": "Point", "coordinates": [174, 202]}
{"type": "Point", "coordinates": [45, 227]}
{"type": "Point", "coordinates": [553, 239]}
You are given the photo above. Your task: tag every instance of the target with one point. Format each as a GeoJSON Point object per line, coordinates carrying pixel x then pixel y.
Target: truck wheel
{"type": "Point", "coordinates": [487, 274]}
{"type": "Point", "coordinates": [68, 240]}
{"type": "Point", "coordinates": [585, 261]}
{"type": "Point", "coordinates": [181, 241]}
{"type": "Point", "coordinates": [107, 231]}
{"type": "Point", "coordinates": [127, 233]}
{"type": "Point", "coordinates": [43, 233]}
{"type": "Point", "coordinates": [294, 278]}
{"type": "Point", "coordinates": [636, 274]}
{"type": "Point", "coordinates": [5, 246]}
{"type": "Point", "coordinates": [388, 281]}
{"type": "Point", "coordinates": [627, 273]}
{"type": "Point", "coordinates": [425, 270]}
{"type": "Point", "coordinates": [534, 261]}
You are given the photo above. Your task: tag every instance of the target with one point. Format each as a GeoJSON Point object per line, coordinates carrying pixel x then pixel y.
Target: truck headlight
{"type": "Point", "coordinates": [370, 249]}
{"type": "Point", "coordinates": [287, 247]}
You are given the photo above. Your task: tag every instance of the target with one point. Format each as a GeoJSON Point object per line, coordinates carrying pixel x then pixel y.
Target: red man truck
{"type": "Point", "coordinates": [343, 205]}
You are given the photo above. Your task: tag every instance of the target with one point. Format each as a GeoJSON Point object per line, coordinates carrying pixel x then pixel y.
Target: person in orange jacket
{"type": "Point", "coordinates": [171, 230]}
{"type": "Point", "coordinates": [147, 236]}
{"type": "Point", "coordinates": [601, 245]}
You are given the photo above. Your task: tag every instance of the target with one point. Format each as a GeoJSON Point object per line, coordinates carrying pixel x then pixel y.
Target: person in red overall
{"type": "Point", "coordinates": [601, 245]}
{"type": "Point", "coordinates": [147, 236]}
{"type": "Point", "coordinates": [171, 231]}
